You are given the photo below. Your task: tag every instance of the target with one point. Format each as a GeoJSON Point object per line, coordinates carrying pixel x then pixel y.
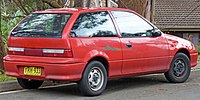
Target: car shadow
{"type": "Point", "coordinates": [113, 85]}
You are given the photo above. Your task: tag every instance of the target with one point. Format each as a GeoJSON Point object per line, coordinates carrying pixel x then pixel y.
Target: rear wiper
{"type": "Point", "coordinates": [21, 32]}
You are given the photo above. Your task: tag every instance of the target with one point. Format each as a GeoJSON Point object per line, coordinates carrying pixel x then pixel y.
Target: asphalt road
{"type": "Point", "coordinates": [150, 87]}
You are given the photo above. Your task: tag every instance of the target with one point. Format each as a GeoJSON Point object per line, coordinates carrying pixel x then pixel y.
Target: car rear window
{"type": "Point", "coordinates": [42, 25]}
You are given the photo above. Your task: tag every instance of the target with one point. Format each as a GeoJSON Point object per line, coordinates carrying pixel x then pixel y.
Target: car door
{"type": "Point", "coordinates": [142, 52]}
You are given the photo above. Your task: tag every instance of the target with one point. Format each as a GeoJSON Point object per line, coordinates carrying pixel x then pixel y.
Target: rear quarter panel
{"type": "Point", "coordinates": [107, 47]}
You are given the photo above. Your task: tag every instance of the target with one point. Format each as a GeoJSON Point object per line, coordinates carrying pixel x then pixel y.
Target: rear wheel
{"type": "Point", "coordinates": [29, 84]}
{"type": "Point", "coordinates": [94, 79]}
{"type": "Point", "coordinates": [179, 69]}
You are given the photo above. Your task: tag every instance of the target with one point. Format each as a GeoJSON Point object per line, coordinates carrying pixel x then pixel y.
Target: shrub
{"type": "Point", "coordinates": [198, 48]}
{"type": "Point", "coordinates": [7, 24]}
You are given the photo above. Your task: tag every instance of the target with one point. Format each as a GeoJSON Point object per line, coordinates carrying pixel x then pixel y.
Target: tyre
{"type": "Point", "coordinates": [179, 69]}
{"type": "Point", "coordinates": [29, 84]}
{"type": "Point", "coordinates": [94, 79]}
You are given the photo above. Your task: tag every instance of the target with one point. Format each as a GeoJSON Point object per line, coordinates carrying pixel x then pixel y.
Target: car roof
{"type": "Point", "coordinates": [74, 10]}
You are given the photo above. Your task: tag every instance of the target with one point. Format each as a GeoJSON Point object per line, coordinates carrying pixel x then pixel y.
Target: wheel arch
{"type": "Point", "coordinates": [185, 51]}
{"type": "Point", "coordinates": [101, 59]}
{"type": "Point", "coordinates": [83, 84]}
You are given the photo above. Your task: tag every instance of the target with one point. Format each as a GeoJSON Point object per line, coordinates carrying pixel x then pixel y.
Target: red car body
{"type": "Point", "coordinates": [145, 55]}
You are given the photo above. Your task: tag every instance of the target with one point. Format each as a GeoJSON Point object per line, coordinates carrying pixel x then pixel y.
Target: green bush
{"type": "Point", "coordinates": [198, 48]}
{"type": "Point", "coordinates": [7, 24]}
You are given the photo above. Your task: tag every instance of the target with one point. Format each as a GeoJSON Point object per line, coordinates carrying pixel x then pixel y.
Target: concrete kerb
{"type": "Point", "coordinates": [9, 86]}
{"type": "Point", "coordinates": [13, 85]}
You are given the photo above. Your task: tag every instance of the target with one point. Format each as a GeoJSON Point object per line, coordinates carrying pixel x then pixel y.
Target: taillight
{"type": "Point", "coordinates": [40, 52]}
{"type": "Point", "coordinates": [57, 53]}
{"type": "Point", "coordinates": [15, 51]}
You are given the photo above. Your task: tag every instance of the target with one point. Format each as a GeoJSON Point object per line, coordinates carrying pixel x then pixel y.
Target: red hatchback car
{"type": "Point", "coordinates": [90, 46]}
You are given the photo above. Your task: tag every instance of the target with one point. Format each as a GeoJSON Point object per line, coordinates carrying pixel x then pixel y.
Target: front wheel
{"type": "Point", "coordinates": [29, 84]}
{"type": "Point", "coordinates": [94, 79]}
{"type": "Point", "coordinates": [179, 69]}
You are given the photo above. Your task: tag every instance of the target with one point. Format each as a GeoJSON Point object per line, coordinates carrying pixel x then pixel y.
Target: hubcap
{"type": "Point", "coordinates": [95, 78]}
{"type": "Point", "coordinates": [179, 68]}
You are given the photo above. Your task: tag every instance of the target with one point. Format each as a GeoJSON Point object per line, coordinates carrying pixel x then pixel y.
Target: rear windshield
{"type": "Point", "coordinates": [42, 25]}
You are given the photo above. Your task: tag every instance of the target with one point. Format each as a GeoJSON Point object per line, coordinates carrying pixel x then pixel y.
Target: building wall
{"type": "Point", "coordinates": [177, 34]}
{"type": "Point", "coordinates": [194, 37]}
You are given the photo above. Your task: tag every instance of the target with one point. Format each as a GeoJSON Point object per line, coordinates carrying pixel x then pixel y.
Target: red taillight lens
{"type": "Point", "coordinates": [15, 51]}
{"type": "Point", "coordinates": [57, 53]}
{"type": "Point", "coordinates": [69, 53]}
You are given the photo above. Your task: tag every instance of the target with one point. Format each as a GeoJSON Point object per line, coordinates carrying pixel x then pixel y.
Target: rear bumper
{"type": "Point", "coordinates": [193, 58]}
{"type": "Point", "coordinates": [64, 72]}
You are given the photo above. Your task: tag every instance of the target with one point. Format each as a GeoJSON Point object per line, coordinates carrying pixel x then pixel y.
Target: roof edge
{"type": "Point", "coordinates": [181, 29]}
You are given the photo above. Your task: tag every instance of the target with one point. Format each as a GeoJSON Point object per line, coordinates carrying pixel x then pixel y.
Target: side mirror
{"type": "Point", "coordinates": [156, 33]}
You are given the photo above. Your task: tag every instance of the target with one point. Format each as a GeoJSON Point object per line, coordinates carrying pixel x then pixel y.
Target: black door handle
{"type": "Point", "coordinates": [128, 45]}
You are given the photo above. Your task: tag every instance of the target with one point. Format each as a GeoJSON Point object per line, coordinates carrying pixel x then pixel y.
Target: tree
{"type": "Point", "coordinates": [143, 7]}
{"type": "Point", "coordinates": [20, 5]}
{"type": "Point", "coordinates": [2, 50]}
{"type": "Point", "coordinates": [54, 3]}
{"type": "Point", "coordinates": [77, 3]}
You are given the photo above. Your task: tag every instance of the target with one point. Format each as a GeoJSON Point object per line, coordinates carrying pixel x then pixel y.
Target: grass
{"type": "Point", "coordinates": [198, 57]}
{"type": "Point", "coordinates": [3, 78]}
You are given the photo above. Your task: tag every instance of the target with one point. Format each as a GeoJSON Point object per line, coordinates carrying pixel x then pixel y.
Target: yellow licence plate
{"type": "Point", "coordinates": [33, 71]}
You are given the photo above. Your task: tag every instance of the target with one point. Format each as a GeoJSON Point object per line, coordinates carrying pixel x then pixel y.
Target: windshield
{"type": "Point", "coordinates": [42, 25]}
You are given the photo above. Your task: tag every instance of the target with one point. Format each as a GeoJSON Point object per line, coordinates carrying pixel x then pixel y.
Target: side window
{"type": "Point", "coordinates": [93, 24]}
{"type": "Point", "coordinates": [132, 25]}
